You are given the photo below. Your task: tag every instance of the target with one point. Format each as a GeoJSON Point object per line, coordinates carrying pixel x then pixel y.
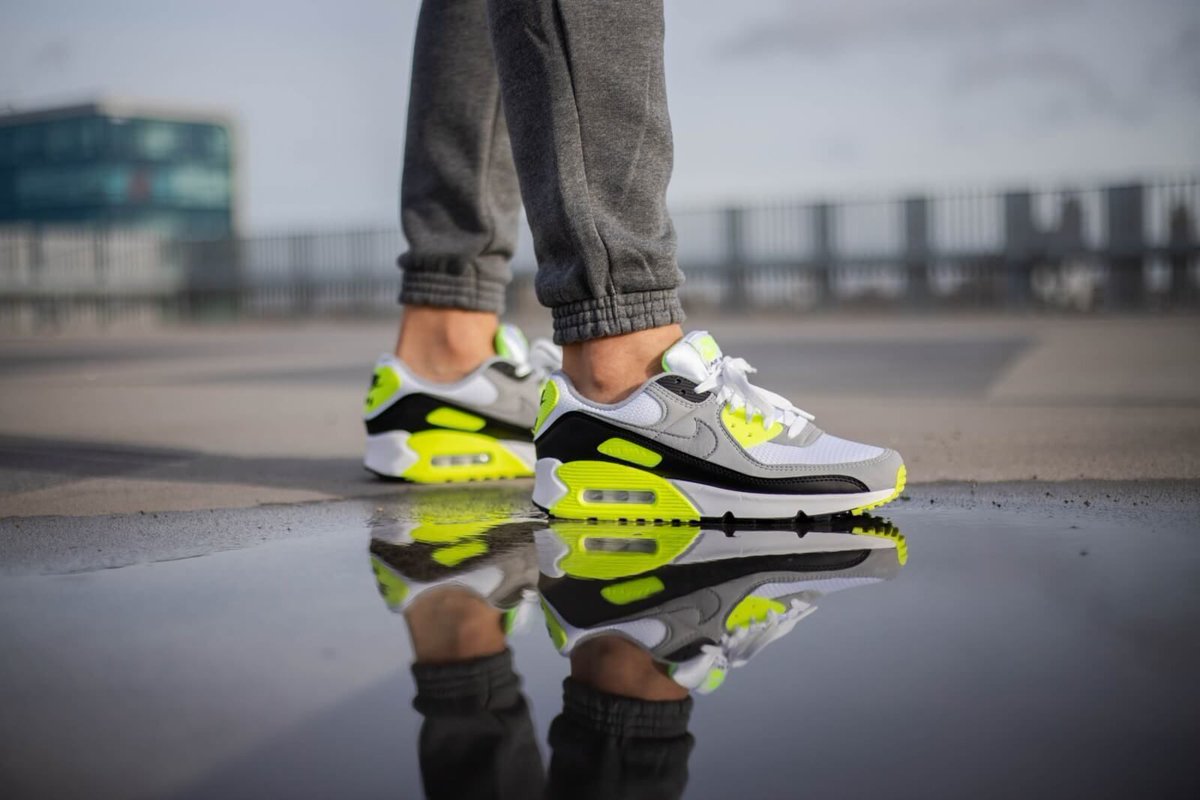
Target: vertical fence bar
{"type": "Point", "coordinates": [1020, 245]}
{"type": "Point", "coordinates": [916, 250]}
{"type": "Point", "coordinates": [1126, 246]}
{"type": "Point", "coordinates": [301, 290]}
{"type": "Point", "coordinates": [735, 259]}
{"type": "Point", "coordinates": [823, 255]}
{"type": "Point", "coordinates": [1181, 242]}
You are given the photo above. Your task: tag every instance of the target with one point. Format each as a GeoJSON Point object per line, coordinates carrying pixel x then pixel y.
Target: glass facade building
{"type": "Point", "coordinates": [110, 165]}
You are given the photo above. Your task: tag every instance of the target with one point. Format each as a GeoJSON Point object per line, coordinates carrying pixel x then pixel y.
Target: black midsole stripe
{"type": "Point", "coordinates": [575, 436]}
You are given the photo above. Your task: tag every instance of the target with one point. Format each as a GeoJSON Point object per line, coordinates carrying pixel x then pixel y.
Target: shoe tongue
{"type": "Point", "coordinates": [510, 343]}
{"type": "Point", "coordinates": [694, 356]}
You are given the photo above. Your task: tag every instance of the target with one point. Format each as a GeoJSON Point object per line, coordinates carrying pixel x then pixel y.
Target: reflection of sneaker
{"type": "Point", "coordinates": [474, 429]}
{"type": "Point", "coordinates": [497, 561]}
{"type": "Point", "coordinates": [699, 600]}
{"type": "Point", "coordinates": [699, 442]}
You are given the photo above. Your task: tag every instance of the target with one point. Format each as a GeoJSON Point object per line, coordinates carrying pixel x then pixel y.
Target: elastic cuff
{"type": "Point", "coordinates": [616, 314]}
{"type": "Point", "coordinates": [467, 686]}
{"type": "Point", "coordinates": [449, 282]}
{"type": "Point", "coordinates": [614, 715]}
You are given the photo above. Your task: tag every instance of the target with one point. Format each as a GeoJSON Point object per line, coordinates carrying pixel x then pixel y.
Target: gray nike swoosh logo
{"type": "Point", "coordinates": [701, 442]}
{"type": "Point", "coordinates": [708, 603]}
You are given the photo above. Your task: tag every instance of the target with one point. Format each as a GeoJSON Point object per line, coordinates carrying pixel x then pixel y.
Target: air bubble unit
{"type": "Point", "coordinates": [617, 496]}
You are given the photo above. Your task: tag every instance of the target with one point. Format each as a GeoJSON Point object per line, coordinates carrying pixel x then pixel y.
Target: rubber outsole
{"type": "Point", "coordinates": [901, 482]}
{"type": "Point", "coordinates": [394, 479]}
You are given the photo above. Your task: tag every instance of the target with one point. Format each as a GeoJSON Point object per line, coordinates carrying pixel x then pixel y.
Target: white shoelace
{"type": "Point", "coordinates": [729, 379]}
{"type": "Point", "coordinates": [742, 644]}
{"type": "Point", "coordinates": [544, 357]}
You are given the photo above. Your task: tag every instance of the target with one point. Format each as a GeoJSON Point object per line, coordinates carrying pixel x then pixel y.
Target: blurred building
{"type": "Point", "coordinates": [111, 164]}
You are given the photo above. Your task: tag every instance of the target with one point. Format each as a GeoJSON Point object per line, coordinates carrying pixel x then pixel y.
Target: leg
{"type": "Point", "coordinates": [459, 198]}
{"type": "Point", "coordinates": [623, 728]}
{"type": "Point", "coordinates": [453, 625]}
{"type": "Point", "coordinates": [618, 666]}
{"type": "Point", "coordinates": [477, 738]}
{"type": "Point", "coordinates": [458, 400]}
{"type": "Point", "coordinates": [585, 97]}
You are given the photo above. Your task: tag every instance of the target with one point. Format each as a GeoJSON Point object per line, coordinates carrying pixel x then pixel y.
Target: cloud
{"type": "Point", "coordinates": [827, 28]}
{"type": "Point", "coordinates": [1178, 64]}
{"type": "Point", "coordinates": [1077, 85]}
{"type": "Point", "coordinates": [1069, 58]}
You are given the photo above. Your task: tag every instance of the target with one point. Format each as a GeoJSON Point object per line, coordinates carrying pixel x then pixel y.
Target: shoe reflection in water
{"type": "Point", "coordinates": [461, 588]}
{"type": "Point", "coordinates": [700, 600]}
{"type": "Point", "coordinates": [645, 614]}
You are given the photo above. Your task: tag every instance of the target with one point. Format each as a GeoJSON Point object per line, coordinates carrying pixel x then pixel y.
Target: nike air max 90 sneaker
{"type": "Point", "coordinates": [496, 561]}
{"type": "Point", "coordinates": [699, 442]}
{"type": "Point", "coordinates": [699, 600]}
{"type": "Point", "coordinates": [477, 428]}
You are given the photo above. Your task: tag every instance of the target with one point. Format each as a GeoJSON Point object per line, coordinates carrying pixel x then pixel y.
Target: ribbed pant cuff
{"type": "Point", "coordinates": [613, 715]}
{"type": "Point", "coordinates": [616, 314]}
{"type": "Point", "coordinates": [449, 283]}
{"type": "Point", "coordinates": [466, 687]}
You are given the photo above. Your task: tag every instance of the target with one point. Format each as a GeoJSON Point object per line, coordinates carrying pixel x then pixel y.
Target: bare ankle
{"type": "Point", "coordinates": [608, 370]}
{"type": "Point", "coordinates": [451, 625]}
{"type": "Point", "coordinates": [445, 344]}
{"type": "Point", "coordinates": [617, 666]}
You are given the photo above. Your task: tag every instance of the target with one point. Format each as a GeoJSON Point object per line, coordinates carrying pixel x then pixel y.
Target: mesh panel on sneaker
{"type": "Point", "coordinates": [641, 409]}
{"type": "Point", "coordinates": [825, 450]}
{"type": "Point", "coordinates": [821, 585]}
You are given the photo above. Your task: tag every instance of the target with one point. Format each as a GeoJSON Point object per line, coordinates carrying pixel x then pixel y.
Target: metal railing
{"type": "Point", "coordinates": [1122, 247]}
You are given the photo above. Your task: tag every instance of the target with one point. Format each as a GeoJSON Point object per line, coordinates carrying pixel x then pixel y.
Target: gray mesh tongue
{"type": "Point", "coordinates": [694, 356]}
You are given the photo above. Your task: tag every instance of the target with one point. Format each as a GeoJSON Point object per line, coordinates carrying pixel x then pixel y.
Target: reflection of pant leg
{"type": "Point", "coordinates": [477, 739]}
{"type": "Point", "coordinates": [607, 746]}
{"type": "Point", "coordinates": [585, 97]}
{"type": "Point", "coordinates": [459, 199]}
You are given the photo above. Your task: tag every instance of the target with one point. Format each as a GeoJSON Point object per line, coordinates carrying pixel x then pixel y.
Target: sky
{"type": "Point", "coordinates": [769, 99]}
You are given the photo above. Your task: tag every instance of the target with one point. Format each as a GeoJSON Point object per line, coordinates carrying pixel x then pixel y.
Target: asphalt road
{"type": "Point", "coordinates": [229, 417]}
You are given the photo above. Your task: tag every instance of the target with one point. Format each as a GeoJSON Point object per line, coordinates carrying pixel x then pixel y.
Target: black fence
{"type": "Point", "coordinates": [1133, 246]}
{"type": "Point", "coordinates": [1121, 247]}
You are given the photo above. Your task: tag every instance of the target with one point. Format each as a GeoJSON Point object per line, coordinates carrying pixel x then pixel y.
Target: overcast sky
{"type": "Point", "coordinates": [769, 98]}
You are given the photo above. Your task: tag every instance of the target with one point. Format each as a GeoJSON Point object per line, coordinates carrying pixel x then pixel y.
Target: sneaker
{"type": "Point", "coordinates": [496, 561]}
{"type": "Point", "coordinates": [699, 600]}
{"type": "Point", "coordinates": [699, 442]}
{"type": "Point", "coordinates": [477, 428]}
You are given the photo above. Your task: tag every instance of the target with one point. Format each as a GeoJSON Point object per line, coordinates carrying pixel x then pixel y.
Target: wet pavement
{"type": "Point", "coordinates": [1030, 640]}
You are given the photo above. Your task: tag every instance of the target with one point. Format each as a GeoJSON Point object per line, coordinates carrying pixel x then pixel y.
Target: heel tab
{"type": "Point", "coordinates": [387, 378]}
{"type": "Point", "coordinates": [548, 397]}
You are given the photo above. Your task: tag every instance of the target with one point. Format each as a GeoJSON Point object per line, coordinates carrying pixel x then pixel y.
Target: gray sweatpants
{"type": "Point", "coordinates": [568, 99]}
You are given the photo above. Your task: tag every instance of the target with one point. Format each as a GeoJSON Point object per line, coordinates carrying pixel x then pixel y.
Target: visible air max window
{"type": "Point", "coordinates": [461, 460]}
{"type": "Point", "coordinates": [617, 496]}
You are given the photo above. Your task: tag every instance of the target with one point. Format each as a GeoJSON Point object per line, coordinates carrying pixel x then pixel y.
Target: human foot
{"type": "Point", "coordinates": [609, 369]}
{"type": "Point", "coordinates": [474, 428]}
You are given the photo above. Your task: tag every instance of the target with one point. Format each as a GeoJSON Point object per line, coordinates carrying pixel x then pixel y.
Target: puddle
{"type": "Point", "coordinates": [948, 654]}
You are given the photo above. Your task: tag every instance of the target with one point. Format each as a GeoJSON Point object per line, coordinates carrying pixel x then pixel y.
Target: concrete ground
{"type": "Point", "coordinates": [187, 614]}
{"type": "Point", "coordinates": [244, 415]}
